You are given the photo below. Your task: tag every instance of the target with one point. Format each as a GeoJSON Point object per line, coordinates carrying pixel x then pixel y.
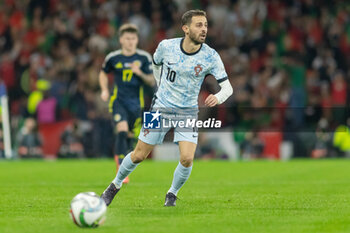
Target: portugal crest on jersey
{"type": "Point", "coordinates": [198, 69]}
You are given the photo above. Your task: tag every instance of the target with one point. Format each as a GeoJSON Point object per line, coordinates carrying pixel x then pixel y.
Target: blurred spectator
{"type": "Point", "coordinates": [296, 70]}
{"type": "Point", "coordinates": [339, 97]}
{"type": "Point", "coordinates": [29, 140]}
{"type": "Point", "coordinates": [252, 147]}
{"type": "Point", "coordinates": [210, 146]}
{"type": "Point", "coordinates": [71, 143]}
{"type": "Point", "coordinates": [36, 96]}
{"type": "Point", "coordinates": [323, 147]}
{"type": "Point", "coordinates": [341, 139]}
{"type": "Point", "coordinates": [47, 109]}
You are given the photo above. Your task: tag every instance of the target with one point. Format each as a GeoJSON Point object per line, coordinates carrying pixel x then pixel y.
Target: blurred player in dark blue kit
{"type": "Point", "coordinates": [132, 68]}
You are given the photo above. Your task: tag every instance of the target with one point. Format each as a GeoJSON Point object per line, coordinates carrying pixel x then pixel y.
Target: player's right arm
{"type": "Point", "coordinates": [157, 62]}
{"type": "Point", "coordinates": [103, 80]}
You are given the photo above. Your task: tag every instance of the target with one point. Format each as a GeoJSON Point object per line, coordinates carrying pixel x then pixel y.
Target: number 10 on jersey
{"type": "Point", "coordinates": [171, 75]}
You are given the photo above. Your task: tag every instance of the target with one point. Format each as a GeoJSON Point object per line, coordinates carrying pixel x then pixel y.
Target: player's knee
{"type": "Point", "coordinates": [138, 155]}
{"type": "Point", "coordinates": [141, 151]}
{"type": "Point", "coordinates": [186, 161]}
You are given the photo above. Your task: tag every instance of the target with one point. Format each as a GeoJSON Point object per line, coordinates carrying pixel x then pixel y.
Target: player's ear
{"type": "Point", "coordinates": [121, 38]}
{"type": "Point", "coordinates": [185, 28]}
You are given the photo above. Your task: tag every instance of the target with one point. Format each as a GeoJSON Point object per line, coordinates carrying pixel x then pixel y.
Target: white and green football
{"type": "Point", "coordinates": [88, 210]}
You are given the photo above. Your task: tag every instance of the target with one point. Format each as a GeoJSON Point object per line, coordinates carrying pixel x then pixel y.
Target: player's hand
{"type": "Point", "coordinates": [136, 69]}
{"type": "Point", "coordinates": [105, 95]}
{"type": "Point", "coordinates": [211, 101]}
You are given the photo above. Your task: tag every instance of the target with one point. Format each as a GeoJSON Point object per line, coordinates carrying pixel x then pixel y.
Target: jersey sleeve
{"type": "Point", "coordinates": [218, 69]}
{"type": "Point", "coordinates": [158, 54]}
{"type": "Point", "coordinates": [147, 65]}
{"type": "Point", "coordinates": [106, 66]}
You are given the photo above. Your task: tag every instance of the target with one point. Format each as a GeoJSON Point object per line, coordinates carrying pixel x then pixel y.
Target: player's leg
{"type": "Point", "coordinates": [131, 161]}
{"type": "Point", "coordinates": [128, 165]}
{"type": "Point", "coordinates": [187, 139]}
{"type": "Point", "coordinates": [182, 171]}
{"type": "Point", "coordinates": [121, 141]}
{"type": "Point", "coordinates": [147, 140]}
{"type": "Point", "coordinates": [134, 123]}
{"type": "Point", "coordinates": [145, 144]}
{"type": "Point", "coordinates": [120, 117]}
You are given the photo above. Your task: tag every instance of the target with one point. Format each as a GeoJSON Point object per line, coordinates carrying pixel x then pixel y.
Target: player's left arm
{"type": "Point", "coordinates": [146, 78]}
{"type": "Point", "coordinates": [220, 97]}
{"type": "Point", "coordinates": [219, 73]}
{"type": "Point", "coordinates": [144, 71]}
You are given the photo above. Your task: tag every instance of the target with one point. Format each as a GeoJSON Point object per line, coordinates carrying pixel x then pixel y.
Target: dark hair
{"type": "Point", "coordinates": [128, 27]}
{"type": "Point", "coordinates": [187, 16]}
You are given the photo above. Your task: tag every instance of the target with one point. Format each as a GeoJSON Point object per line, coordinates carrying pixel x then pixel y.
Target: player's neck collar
{"type": "Point", "coordinates": [190, 54]}
{"type": "Point", "coordinates": [128, 54]}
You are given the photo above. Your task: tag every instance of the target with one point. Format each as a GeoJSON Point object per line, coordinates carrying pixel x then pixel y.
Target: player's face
{"type": "Point", "coordinates": [197, 31]}
{"type": "Point", "coordinates": [129, 41]}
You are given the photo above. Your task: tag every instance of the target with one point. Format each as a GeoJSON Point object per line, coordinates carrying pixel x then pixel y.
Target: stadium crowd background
{"type": "Point", "coordinates": [287, 62]}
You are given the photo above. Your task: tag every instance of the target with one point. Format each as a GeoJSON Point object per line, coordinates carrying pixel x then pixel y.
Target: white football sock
{"type": "Point", "coordinates": [125, 169]}
{"type": "Point", "coordinates": [181, 175]}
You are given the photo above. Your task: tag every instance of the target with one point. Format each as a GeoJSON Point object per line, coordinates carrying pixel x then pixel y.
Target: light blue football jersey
{"type": "Point", "coordinates": [183, 73]}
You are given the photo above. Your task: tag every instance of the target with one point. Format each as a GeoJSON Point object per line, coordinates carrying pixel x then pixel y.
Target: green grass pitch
{"type": "Point", "coordinates": [258, 196]}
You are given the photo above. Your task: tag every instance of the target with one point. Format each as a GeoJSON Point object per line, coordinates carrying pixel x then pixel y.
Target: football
{"type": "Point", "coordinates": [88, 210]}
